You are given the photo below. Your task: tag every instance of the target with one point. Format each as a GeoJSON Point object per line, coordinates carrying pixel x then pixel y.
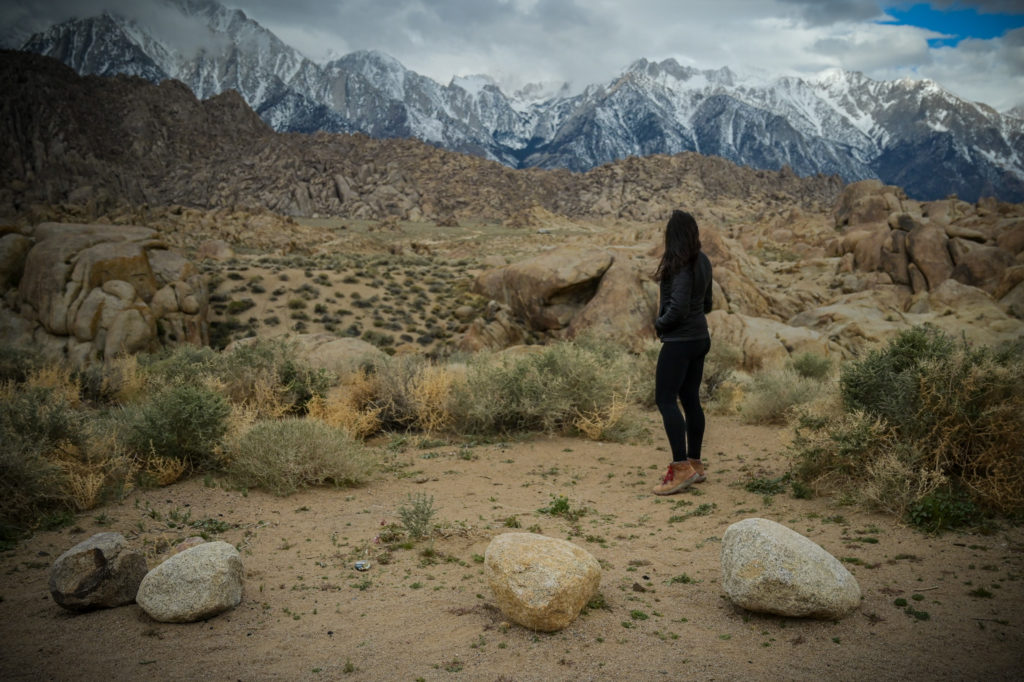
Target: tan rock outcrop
{"type": "Point", "coordinates": [866, 201]}
{"type": "Point", "coordinates": [97, 291]}
{"type": "Point", "coordinates": [549, 289]}
{"type": "Point", "coordinates": [927, 248]}
{"type": "Point", "coordinates": [1011, 237]}
{"type": "Point", "coordinates": [978, 265]}
{"type": "Point", "coordinates": [931, 242]}
{"type": "Point", "coordinates": [14, 248]}
{"type": "Point", "coordinates": [763, 342]}
{"type": "Point", "coordinates": [623, 308]}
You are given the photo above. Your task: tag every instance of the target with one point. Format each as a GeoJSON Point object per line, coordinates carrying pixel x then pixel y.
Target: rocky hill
{"type": "Point", "coordinates": [75, 139]}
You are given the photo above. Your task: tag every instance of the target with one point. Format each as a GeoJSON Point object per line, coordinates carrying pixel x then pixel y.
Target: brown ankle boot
{"type": "Point", "coordinates": [698, 468]}
{"type": "Point", "coordinates": [678, 476]}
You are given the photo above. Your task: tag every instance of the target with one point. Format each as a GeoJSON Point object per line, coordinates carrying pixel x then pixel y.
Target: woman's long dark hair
{"type": "Point", "coordinates": [682, 244]}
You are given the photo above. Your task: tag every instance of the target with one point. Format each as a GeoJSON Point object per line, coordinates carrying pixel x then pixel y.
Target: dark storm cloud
{"type": "Point", "coordinates": [824, 13]}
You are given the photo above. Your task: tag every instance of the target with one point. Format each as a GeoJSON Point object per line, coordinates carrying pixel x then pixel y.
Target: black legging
{"type": "Point", "coordinates": [679, 372]}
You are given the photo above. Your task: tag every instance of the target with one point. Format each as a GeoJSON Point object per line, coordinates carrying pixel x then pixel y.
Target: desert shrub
{"type": "Point", "coordinates": [834, 444]}
{"type": "Point", "coordinates": [885, 382]}
{"type": "Point", "coordinates": [181, 422]}
{"type": "Point", "coordinates": [720, 390]}
{"type": "Point", "coordinates": [269, 375]}
{"type": "Point", "coordinates": [811, 365]}
{"type": "Point", "coordinates": [644, 365]}
{"type": "Point", "coordinates": [774, 393]}
{"type": "Point", "coordinates": [390, 391]}
{"type": "Point", "coordinates": [417, 515]}
{"type": "Point", "coordinates": [923, 419]}
{"type": "Point", "coordinates": [31, 484]}
{"type": "Point", "coordinates": [860, 455]}
{"type": "Point", "coordinates": [40, 414]}
{"type": "Point", "coordinates": [719, 365]}
{"type": "Point", "coordinates": [559, 388]}
{"type": "Point", "coordinates": [184, 364]}
{"type": "Point", "coordinates": [970, 421]}
{"type": "Point", "coordinates": [944, 508]}
{"type": "Point", "coordinates": [407, 392]}
{"type": "Point", "coordinates": [894, 480]}
{"type": "Point", "coordinates": [282, 456]}
{"type": "Point", "coordinates": [54, 458]}
{"type": "Point", "coordinates": [18, 362]}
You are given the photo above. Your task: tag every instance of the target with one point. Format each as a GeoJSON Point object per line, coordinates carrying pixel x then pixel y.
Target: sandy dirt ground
{"type": "Point", "coordinates": [425, 612]}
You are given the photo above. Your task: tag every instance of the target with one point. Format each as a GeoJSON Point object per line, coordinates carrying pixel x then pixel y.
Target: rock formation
{"type": "Point", "coordinates": [91, 292]}
{"type": "Point", "coordinates": [921, 245]}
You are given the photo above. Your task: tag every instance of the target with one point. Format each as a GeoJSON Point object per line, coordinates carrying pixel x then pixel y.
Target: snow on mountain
{"type": "Point", "coordinates": [906, 132]}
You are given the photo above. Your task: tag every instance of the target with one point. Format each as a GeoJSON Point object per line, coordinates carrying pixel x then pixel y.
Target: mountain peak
{"type": "Point", "coordinates": [376, 57]}
{"type": "Point", "coordinates": [474, 84]}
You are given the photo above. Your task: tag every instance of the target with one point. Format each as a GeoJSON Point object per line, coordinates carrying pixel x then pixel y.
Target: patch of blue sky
{"type": "Point", "coordinates": [955, 23]}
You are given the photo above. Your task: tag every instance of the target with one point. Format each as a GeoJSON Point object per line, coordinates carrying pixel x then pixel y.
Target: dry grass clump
{"type": "Point", "coordinates": [402, 393]}
{"type": "Point", "coordinates": [285, 455]}
{"type": "Point", "coordinates": [609, 422]}
{"type": "Point", "coordinates": [53, 457]}
{"type": "Point", "coordinates": [775, 393]}
{"type": "Point", "coordinates": [926, 428]}
{"type": "Point", "coordinates": [431, 395]}
{"type": "Point", "coordinates": [350, 406]}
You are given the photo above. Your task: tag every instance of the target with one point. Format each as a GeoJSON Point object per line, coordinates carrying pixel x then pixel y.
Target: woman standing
{"type": "Point", "coordinates": [684, 276]}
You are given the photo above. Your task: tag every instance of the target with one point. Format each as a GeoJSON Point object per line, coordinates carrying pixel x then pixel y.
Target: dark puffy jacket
{"type": "Point", "coordinates": [684, 301]}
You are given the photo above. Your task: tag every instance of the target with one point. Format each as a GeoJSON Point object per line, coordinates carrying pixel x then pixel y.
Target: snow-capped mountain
{"type": "Point", "coordinates": [209, 48]}
{"type": "Point", "coordinates": [906, 132]}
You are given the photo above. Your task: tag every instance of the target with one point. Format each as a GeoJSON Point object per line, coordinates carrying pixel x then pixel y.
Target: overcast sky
{"type": "Point", "coordinates": [974, 48]}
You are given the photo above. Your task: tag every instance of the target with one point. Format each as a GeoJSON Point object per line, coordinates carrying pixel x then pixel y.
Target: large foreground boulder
{"type": "Point", "coordinates": [769, 568]}
{"type": "Point", "coordinates": [198, 583]}
{"type": "Point", "coordinates": [101, 572]}
{"type": "Point", "coordinates": [539, 582]}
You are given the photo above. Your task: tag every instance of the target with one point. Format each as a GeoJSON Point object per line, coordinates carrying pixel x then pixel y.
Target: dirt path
{"type": "Point", "coordinates": [427, 612]}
